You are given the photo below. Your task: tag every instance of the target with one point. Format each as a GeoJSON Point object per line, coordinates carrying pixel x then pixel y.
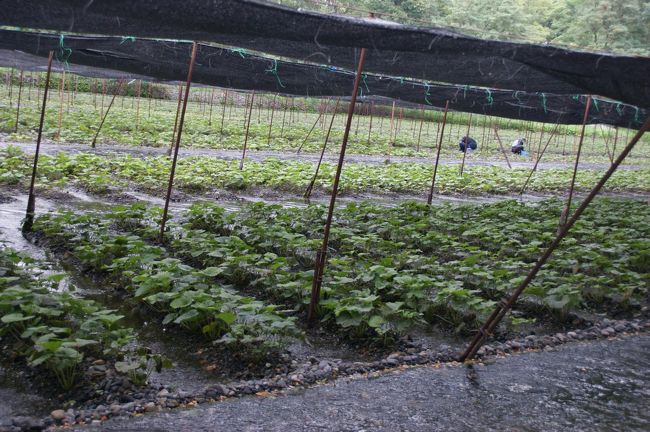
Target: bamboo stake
{"type": "Point", "coordinates": [321, 255]}
{"type": "Point", "coordinates": [178, 142]}
{"type": "Point", "coordinates": [178, 110]}
{"type": "Point", "coordinates": [20, 91]}
{"type": "Point", "coordinates": [31, 200]}
{"type": "Point", "coordinates": [61, 88]}
{"type": "Point", "coordinates": [119, 88]}
{"type": "Point", "coordinates": [435, 167]}
{"type": "Point", "coordinates": [310, 188]}
{"type": "Point", "coordinates": [248, 125]}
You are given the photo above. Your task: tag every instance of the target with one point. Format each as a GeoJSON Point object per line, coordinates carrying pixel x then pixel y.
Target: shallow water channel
{"type": "Point", "coordinates": [596, 386]}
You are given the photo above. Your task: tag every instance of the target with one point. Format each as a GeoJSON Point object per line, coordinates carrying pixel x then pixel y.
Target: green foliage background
{"type": "Point", "coordinates": [609, 25]}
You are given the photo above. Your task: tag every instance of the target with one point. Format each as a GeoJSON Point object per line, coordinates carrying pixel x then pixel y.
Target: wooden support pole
{"type": "Point", "coordinates": [20, 91]}
{"type": "Point", "coordinates": [565, 213]}
{"type": "Point", "coordinates": [248, 125]}
{"type": "Point", "coordinates": [308, 192]}
{"type": "Point", "coordinates": [321, 256]}
{"type": "Point", "coordinates": [523, 188]}
{"type": "Point", "coordinates": [462, 165]}
{"type": "Point", "coordinates": [210, 110]}
{"type": "Point", "coordinates": [138, 88]}
{"type": "Point", "coordinates": [370, 125]}
{"type": "Point", "coordinates": [314, 126]}
{"type": "Point", "coordinates": [503, 150]}
{"type": "Point", "coordinates": [268, 141]}
{"type": "Point", "coordinates": [178, 111]}
{"type": "Point", "coordinates": [31, 200]}
{"type": "Point", "coordinates": [178, 143]}
{"type": "Point", "coordinates": [435, 167]}
{"type": "Point", "coordinates": [94, 142]}
{"type": "Point", "coordinates": [420, 132]}
{"type": "Point", "coordinates": [101, 112]}
{"type": "Point", "coordinates": [506, 304]}
{"type": "Point", "coordinates": [61, 90]}
{"type": "Point", "coordinates": [223, 112]}
{"type": "Point", "coordinates": [390, 136]}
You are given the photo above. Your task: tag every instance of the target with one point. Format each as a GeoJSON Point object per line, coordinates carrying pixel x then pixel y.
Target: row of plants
{"type": "Point", "coordinates": [98, 173]}
{"type": "Point", "coordinates": [53, 330]}
{"type": "Point", "coordinates": [181, 295]}
{"type": "Point", "coordinates": [79, 123]}
{"type": "Point", "coordinates": [389, 269]}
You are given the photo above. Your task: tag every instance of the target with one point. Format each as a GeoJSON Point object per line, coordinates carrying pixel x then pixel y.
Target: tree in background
{"type": "Point", "coordinates": [610, 25]}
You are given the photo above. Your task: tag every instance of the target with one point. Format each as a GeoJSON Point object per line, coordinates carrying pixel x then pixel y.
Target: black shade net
{"type": "Point", "coordinates": [238, 69]}
{"type": "Point", "coordinates": [421, 53]}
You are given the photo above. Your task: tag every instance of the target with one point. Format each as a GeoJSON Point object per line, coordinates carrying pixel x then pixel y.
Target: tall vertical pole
{"type": "Point", "coordinates": [101, 112]}
{"type": "Point", "coordinates": [469, 124]}
{"type": "Point", "coordinates": [178, 142]}
{"type": "Point", "coordinates": [505, 304]}
{"type": "Point", "coordinates": [313, 127]}
{"type": "Point", "coordinates": [523, 188]}
{"type": "Point", "coordinates": [420, 132]}
{"type": "Point", "coordinates": [210, 110]}
{"type": "Point", "coordinates": [435, 167]}
{"type": "Point", "coordinates": [248, 125]}
{"type": "Point", "coordinates": [503, 150]}
{"type": "Point", "coordinates": [284, 116]}
{"type": "Point", "coordinates": [268, 141]}
{"type": "Point", "coordinates": [31, 200]}
{"type": "Point", "coordinates": [223, 112]}
{"type": "Point", "coordinates": [565, 213]}
{"type": "Point", "coordinates": [321, 256]}
{"type": "Point", "coordinates": [20, 90]}
{"type": "Point", "coordinates": [61, 90]}
{"type": "Point", "coordinates": [390, 135]}
{"type": "Point", "coordinates": [138, 89]}
{"type": "Point", "coordinates": [322, 153]}
{"type": "Point", "coordinates": [370, 125]}
{"type": "Point", "coordinates": [149, 97]}
{"type": "Point", "coordinates": [178, 110]}
{"type": "Point", "coordinates": [119, 89]}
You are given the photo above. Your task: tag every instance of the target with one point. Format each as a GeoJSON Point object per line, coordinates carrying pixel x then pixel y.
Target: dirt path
{"type": "Point", "coordinates": [51, 148]}
{"type": "Point", "coordinates": [583, 386]}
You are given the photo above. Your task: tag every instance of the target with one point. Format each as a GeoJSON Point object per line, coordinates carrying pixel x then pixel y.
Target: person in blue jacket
{"type": "Point", "coordinates": [469, 141]}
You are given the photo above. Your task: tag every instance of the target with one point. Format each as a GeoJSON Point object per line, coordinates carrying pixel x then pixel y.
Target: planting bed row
{"type": "Point", "coordinates": [98, 173]}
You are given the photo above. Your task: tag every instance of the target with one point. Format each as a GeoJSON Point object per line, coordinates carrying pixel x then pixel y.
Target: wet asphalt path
{"type": "Point", "coordinates": [597, 386]}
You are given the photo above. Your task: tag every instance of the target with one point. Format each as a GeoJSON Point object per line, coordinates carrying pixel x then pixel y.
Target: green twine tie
{"type": "Point", "coordinates": [489, 98]}
{"type": "Point", "coordinates": [516, 96]}
{"type": "Point", "coordinates": [365, 83]}
{"type": "Point", "coordinates": [274, 70]}
{"type": "Point", "coordinates": [240, 51]}
{"type": "Point", "coordinates": [427, 93]}
{"type": "Point", "coordinates": [619, 110]}
{"type": "Point", "coordinates": [64, 53]}
{"type": "Point", "coordinates": [127, 39]}
{"type": "Point", "coordinates": [543, 95]}
{"type": "Point", "coordinates": [595, 101]}
{"type": "Point", "coordinates": [465, 92]}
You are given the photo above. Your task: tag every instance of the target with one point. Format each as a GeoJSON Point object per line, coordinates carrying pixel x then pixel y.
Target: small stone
{"type": "Point", "coordinates": [295, 379]}
{"type": "Point", "coordinates": [99, 362]}
{"type": "Point", "coordinates": [608, 331]}
{"type": "Point", "coordinates": [162, 393]}
{"type": "Point", "coordinates": [620, 327]}
{"type": "Point", "coordinates": [58, 415]}
{"type": "Point", "coordinates": [572, 335]}
{"type": "Point", "coordinates": [150, 407]}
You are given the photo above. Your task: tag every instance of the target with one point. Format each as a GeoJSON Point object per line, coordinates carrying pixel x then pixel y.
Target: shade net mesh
{"type": "Point", "coordinates": [439, 55]}
{"type": "Point", "coordinates": [239, 69]}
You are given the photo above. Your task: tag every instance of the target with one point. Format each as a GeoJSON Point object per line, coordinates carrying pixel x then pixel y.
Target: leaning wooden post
{"type": "Point", "coordinates": [313, 127]}
{"type": "Point", "coordinates": [210, 110]}
{"type": "Point", "coordinates": [20, 91]}
{"type": "Point", "coordinates": [505, 304]}
{"type": "Point", "coordinates": [178, 110]}
{"type": "Point", "coordinates": [565, 213]}
{"type": "Point", "coordinates": [268, 141]}
{"type": "Point", "coordinates": [322, 153]}
{"type": "Point", "coordinates": [503, 150]}
{"type": "Point", "coordinates": [119, 89]}
{"type": "Point", "coordinates": [420, 132]}
{"type": "Point", "coordinates": [523, 188]}
{"type": "Point", "coordinates": [462, 165]}
{"type": "Point", "coordinates": [321, 255]}
{"type": "Point", "coordinates": [61, 90]}
{"type": "Point", "coordinates": [223, 112]}
{"type": "Point", "coordinates": [435, 167]}
{"type": "Point", "coordinates": [178, 142]}
{"type": "Point", "coordinates": [248, 125]}
{"type": "Point", "coordinates": [31, 200]}
{"type": "Point", "coordinates": [390, 135]}
{"type": "Point", "coordinates": [370, 125]}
